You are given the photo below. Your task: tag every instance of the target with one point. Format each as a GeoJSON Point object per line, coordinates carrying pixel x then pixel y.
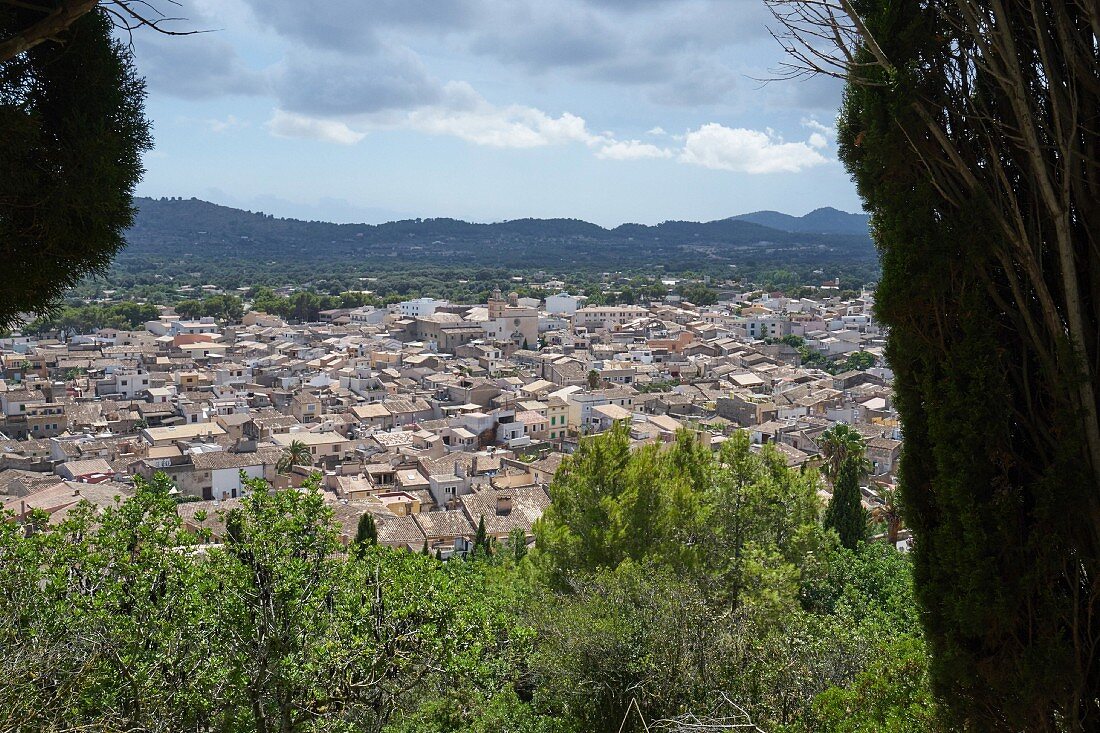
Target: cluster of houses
{"type": "Point", "coordinates": [431, 416]}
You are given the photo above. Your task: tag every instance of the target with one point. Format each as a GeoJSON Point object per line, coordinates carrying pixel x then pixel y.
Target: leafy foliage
{"type": "Point", "coordinates": [131, 624]}
{"type": "Point", "coordinates": [989, 290]}
{"type": "Point", "coordinates": [670, 578]}
{"type": "Point", "coordinates": [73, 129]}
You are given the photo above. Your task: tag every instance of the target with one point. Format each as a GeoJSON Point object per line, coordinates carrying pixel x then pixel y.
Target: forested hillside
{"type": "Point", "coordinates": [190, 231]}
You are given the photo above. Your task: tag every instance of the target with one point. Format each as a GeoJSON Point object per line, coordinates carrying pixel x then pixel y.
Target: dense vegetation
{"type": "Point", "coordinates": [970, 130]}
{"type": "Point", "coordinates": [189, 242]}
{"type": "Point", "coordinates": [72, 131]}
{"type": "Point", "coordinates": [678, 579]}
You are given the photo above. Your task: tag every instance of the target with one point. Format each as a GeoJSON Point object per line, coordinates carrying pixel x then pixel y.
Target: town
{"type": "Point", "coordinates": [433, 417]}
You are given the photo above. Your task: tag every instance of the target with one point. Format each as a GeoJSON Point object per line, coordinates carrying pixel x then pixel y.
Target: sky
{"type": "Point", "coordinates": [610, 111]}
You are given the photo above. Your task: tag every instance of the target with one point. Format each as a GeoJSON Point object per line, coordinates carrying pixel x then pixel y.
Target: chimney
{"type": "Point", "coordinates": [504, 505]}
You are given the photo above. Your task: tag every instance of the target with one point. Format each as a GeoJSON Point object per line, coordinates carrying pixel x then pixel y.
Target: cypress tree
{"type": "Point", "coordinates": [366, 534]}
{"type": "Point", "coordinates": [481, 543]}
{"type": "Point", "coordinates": [967, 134]}
{"type": "Point", "coordinates": [845, 513]}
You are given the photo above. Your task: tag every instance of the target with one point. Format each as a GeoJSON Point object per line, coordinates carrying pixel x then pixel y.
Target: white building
{"type": "Point", "coordinates": [420, 307]}
{"type": "Point", "coordinates": [563, 303]}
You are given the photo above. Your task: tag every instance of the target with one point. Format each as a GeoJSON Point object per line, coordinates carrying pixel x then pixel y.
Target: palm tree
{"type": "Point", "coordinates": [295, 454]}
{"type": "Point", "coordinates": [837, 444]}
{"type": "Point", "coordinates": [593, 379]}
{"type": "Point", "coordinates": [889, 511]}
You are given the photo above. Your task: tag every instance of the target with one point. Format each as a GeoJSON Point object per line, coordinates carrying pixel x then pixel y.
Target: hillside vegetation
{"type": "Point", "coordinates": [198, 233]}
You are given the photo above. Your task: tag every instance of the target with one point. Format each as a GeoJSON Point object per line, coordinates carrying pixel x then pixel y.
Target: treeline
{"type": "Point", "coordinates": [125, 315]}
{"type": "Point", "coordinates": [196, 234]}
{"type": "Point", "coordinates": [854, 361]}
{"type": "Point", "coordinates": [305, 306]}
{"type": "Point", "coordinates": [676, 580]}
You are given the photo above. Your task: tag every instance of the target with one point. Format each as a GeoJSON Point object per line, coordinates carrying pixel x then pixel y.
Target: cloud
{"type": "Point", "coordinates": [701, 83]}
{"type": "Point", "coordinates": [390, 78]}
{"type": "Point", "coordinates": [816, 126]}
{"type": "Point", "coordinates": [468, 116]}
{"type": "Point", "coordinates": [288, 124]}
{"type": "Point", "coordinates": [229, 123]}
{"type": "Point", "coordinates": [196, 67]}
{"type": "Point", "coordinates": [747, 151]}
{"type": "Point", "coordinates": [461, 112]}
{"type": "Point", "coordinates": [541, 37]}
{"type": "Point", "coordinates": [658, 130]}
{"type": "Point", "coordinates": [631, 150]}
{"type": "Point", "coordinates": [354, 27]}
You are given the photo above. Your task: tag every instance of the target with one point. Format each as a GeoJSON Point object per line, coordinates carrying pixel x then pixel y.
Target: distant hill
{"type": "Point", "coordinates": [192, 231]}
{"type": "Point", "coordinates": [819, 221]}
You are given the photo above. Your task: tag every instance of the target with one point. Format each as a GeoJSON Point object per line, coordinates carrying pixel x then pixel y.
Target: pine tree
{"type": "Point", "coordinates": [845, 513]}
{"type": "Point", "coordinates": [73, 131]}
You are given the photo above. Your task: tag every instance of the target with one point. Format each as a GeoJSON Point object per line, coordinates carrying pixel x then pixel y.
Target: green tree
{"type": "Point", "coordinates": [611, 641]}
{"type": "Point", "coordinates": [593, 379]}
{"type": "Point", "coordinates": [189, 309]}
{"type": "Point", "coordinates": [366, 533]}
{"type": "Point", "coordinates": [699, 294]}
{"type": "Point", "coordinates": [295, 454]}
{"type": "Point", "coordinates": [891, 696]}
{"type": "Point", "coordinates": [481, 539]}
{"type": "Point", "coordinates": [838, 444]}
{"type": "Point", "coordinates": [845, 512]}
{"type": "Point", "coordinates": [964, 127]}
{"type": "Point", "coordinates": [73, 128]}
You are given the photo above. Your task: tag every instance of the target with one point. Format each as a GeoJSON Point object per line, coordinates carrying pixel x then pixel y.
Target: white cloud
{"type": "Point", "coordinates": [631, 150]}
{"type": "Point", "coordinates": [514, 126]}
{"type": "Point", "coordinates": [231, 122]}
{"type": "Point", "coordinates": [465, 114]}
{"type": "Point", "coordinates": [747, 151]}
{"type": "Point", "coordinates": [658, 130]}
{"type": "Point", "coordinates": [287, 124]}
{"type": "Point", "coordinates": [827, 132]}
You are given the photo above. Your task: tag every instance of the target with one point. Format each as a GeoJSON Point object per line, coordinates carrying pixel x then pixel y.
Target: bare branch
{"type": "Point", "coordinates": [127, 15]}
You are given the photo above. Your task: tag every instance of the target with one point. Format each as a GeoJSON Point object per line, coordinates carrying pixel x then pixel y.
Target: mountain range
{"type": "Point", "coordinates": [176, 229]}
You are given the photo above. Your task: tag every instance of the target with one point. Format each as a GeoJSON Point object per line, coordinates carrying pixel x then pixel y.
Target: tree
{"type": "Point", "coordinates": [845, 512]}
{"type": "Point", "coordinates": [366, 533]}
{"type": "Point", "coordinates": [968, 129]}
{"type": "Point", "coordinates": [890, 512]}
{"type": "Point", "coordinates": [611, 641]}
{"type": "Point", "coordinates": [73, 128]}
{"type": "Point", "coordinates": [481, 539]}
{"type": "Point", "coordinates": [517, 543]}
{"type": "Point", "coordinates": [46, 22]}
{"type": "Point", "coordinates": [838, 444]}
{"type": "Point", "coordinates": [892, 696]}
{"type": "Point", "coordinates": [295, 454]}
{"type": "Point", "coordinates": [593, 379]}
{"type": "Point", "coordinates": [189, 309]}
